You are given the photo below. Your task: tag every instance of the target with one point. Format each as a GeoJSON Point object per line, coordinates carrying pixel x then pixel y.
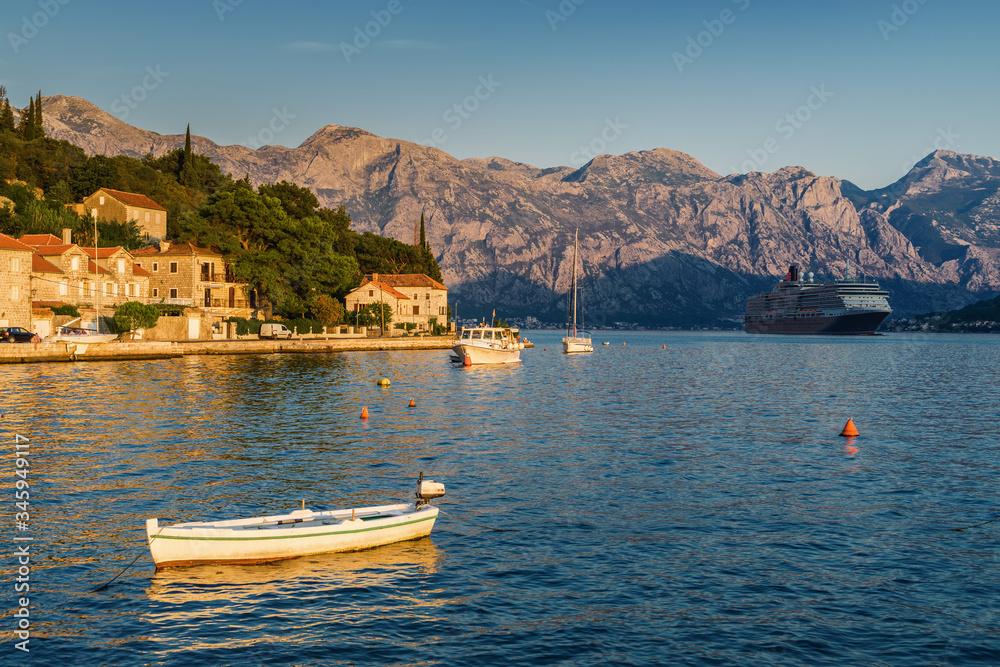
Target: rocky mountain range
{"type": "Point", "coordinates": [664, 241]}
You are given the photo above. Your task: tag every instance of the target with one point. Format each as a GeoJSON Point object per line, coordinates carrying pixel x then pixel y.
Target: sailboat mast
{"type": "Point", "coordinates": [97, 279]}
{"type": "Point", "coordinates": [576, 237]}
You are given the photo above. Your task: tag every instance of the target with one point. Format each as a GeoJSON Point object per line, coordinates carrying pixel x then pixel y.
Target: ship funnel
{"type": "Point", "coordinates": [793, 273]}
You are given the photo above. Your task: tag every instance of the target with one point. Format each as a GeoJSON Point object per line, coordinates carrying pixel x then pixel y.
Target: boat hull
{"type": "Point", "coordinates": [577, 345]}
{"type": "Point", "coordinates": [855, 324]}
{"type": "Point", "coordinates": [273, 538]}
{"type": "Point", "coordinates": [486, 355]}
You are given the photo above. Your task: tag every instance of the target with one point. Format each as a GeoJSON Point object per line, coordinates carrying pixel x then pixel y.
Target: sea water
{"type": "Point", "coordinates": [671, 498]}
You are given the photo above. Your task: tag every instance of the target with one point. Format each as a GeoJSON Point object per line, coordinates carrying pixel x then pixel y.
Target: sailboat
{"type": "Point", "coordinates": [576, 341]}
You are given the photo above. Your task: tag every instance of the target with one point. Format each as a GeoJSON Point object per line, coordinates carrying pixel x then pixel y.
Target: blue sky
{"type": "Point", "coordinates": [853, 89]}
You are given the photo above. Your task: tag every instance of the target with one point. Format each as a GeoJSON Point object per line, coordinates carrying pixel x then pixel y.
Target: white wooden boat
{"type": "Point", "coordinates": [300, 533]}
{"type": "Point", "coordinates": [487, 345]}
{"type": "Point", "coordinates": [576, 341]}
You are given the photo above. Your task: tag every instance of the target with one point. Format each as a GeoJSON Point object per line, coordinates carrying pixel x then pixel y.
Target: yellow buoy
{"type": "Point", "coordinates": [384, 382]}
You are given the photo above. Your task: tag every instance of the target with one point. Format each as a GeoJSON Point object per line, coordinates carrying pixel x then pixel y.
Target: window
{"type": "Point", "coordinates": [15, 292]}
{"type": "Point", "coordinates": [63, 287]}
{"type": "Point", "coordinates": [147, 216]}
{"type": "Point", "coordinates": [74, 263]}
{"type": "Point", "coordinates": [371, 292]}
{"type": "Point", "coordinates": [173, 292]}
{"type": "Point", "coordinates": [156, 266]}
{"type": "Point", "coordinates": [130, 289]}
{"type": "Point", "coordinates": [416, 310]}
{"type": "Point", "coordinates": [427, 296]}
{"type": "Point", "coordinates": [80, 287]}
{"type": "Point", "coordinates": [15, 263]}
{"type": "Point", "coordinates": [157, 218]}
{"type": "Point", "coordinates": [121, 266]}
{"type": "Point", "coordinates": [107, 288]}
{"type": "Point", "coordinates": [173, 267]}
{"type": "Point", "coordinates": [101, 202]}
{"type": "Point", "coordinates": [156, 291]}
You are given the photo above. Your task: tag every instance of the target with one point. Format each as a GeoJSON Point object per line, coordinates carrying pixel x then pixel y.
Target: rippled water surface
{"type": "Point", "coordinates": [673, 498]}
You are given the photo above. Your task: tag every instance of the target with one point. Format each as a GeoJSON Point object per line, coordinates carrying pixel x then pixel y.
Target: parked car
{"type": "Point", "coordinates": [274, 330]}
{"type": "Point", "coordinates": [17, 335]}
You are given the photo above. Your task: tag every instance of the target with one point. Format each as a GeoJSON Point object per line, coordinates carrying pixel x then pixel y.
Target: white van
{"type": "Point", "coordinates": [274, 330]}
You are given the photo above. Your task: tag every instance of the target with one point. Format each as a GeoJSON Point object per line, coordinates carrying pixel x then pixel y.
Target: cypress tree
{"type": "Point", "coordinates": [423, 237]}
{"type": "Point", "coordinates": [39, 130]}
{"type": "Point", "coordinates": [28, 121]}
{"type": "Point", "coordinates": [187, 173]}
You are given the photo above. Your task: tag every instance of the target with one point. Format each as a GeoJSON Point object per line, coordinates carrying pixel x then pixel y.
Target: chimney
{"type": "Point", "coordinates": [164, 246]}
{"type": "Point", "coordinates": [67, 235]}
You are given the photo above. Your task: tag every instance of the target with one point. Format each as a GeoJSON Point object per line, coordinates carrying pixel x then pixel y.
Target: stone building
{"type": "Point", "coordinates": [108, 204]}
{"type": "Point", "coordinates": [15, 283]}
{"type": "Point", "coordinates": [186, 274]}
{"type": "Point", "coordinates": [414, 298]}
{"type": "Point", "coordinates": [80, 273]}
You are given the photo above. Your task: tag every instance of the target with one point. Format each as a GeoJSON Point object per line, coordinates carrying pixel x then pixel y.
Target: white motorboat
{"type": "Point", "coordinates": [488, 345]}
{"type": "Point", "coordinates": [576, 341]}
{"type": "Point", "coordinates": [71, 334]}
{"type": "Point", "coordinates": [299, 533]}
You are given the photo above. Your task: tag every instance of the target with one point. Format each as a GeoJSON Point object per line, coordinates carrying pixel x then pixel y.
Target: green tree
{"type": "Point", "coordinates": [375, 315]}
{"type": "Point", "coordinates": [423, 237]}
{"type": "Point", "coordinates": [27, 127]}
{"type": "Point", "coordinates": [6, 114]}
{"type": "Point", "coordinates": [327, 310]}
{"type": "Point", "coordinates": [188, 175]}
{"type": "Point", "coordinates": [39, 128]}
{"type": "Point", "coordinates": [133, 315]}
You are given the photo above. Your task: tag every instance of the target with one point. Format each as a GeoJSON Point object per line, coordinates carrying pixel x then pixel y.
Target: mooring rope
{"type": "Point", "coordinates": [499, 530]}
{"type": "Point", "coordinates": [150, 541]}
{"type": "Point", "coordinates": [978, 524]}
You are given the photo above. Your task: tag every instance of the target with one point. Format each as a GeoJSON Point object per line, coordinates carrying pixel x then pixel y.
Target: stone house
{"type": "Point", "coordinates": [15, 282]}
{"type": "Point", "coordinates": [108, 204]}
{"type": "Point", "coordinates": [414, 298]}
{"type": "Point", "coordinates": [189, 275]}
{"type": "Point", "coordinates": [121, 279]}
{"type": "Point", "coordinates": [114, 270]}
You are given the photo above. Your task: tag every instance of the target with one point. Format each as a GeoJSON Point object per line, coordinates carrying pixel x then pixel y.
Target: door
{"type": "Point", "coordinates": [232, 297]}
{"type": "Point", "coordinates": [194, 328]}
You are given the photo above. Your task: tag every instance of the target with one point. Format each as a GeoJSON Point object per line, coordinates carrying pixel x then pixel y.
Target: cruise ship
{"type": "Point", "coordinates": [798, 305]}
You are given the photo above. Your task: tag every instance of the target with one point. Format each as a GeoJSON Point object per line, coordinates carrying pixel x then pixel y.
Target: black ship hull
{"type": "Point", "coordinates": [855, 324]}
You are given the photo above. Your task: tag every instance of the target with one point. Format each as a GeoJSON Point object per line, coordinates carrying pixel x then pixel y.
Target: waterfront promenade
{"type": "Point", "coordinates": [13, 353]}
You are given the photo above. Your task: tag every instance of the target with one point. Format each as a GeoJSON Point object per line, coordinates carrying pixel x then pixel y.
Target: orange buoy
{"type": "Point", "coordinates": [413, 403]}
{"type": "Point", "coordinates": [849, 429]}
{"type": "Point", "coordinates": [468, 361]}
{"type": "Point", "coordinates": [623, 342]}
{"type": "Point", "coordinates": [364, 412]}
{"type": "Point", "coordinates": [664, 347]}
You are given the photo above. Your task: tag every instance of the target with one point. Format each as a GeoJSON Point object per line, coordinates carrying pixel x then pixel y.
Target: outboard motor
{"type": "Point", "coordinates": [427, 490]}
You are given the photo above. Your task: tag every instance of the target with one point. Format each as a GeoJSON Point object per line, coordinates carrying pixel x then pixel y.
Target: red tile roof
{"type": "Point", "coordinates": [40, 239]}
{"type": "Point", "coordinates": [41, 265]}
{"type": "Point", "coordinates": [94, 268]}
{"type": "Point", "coordinates": [132, 199]}
{"type": "Point", "coordinates": [177, 248]}
{"type": "Point", "coordinates": [49, 250]}
{"type": "Point", "coordinates": [10, 243]}
{"type": "Point", "coordinates": [404, 280]}
{"type": "Point", "coordinates": [139, 271]}
{"type": "Point", "coordinates": [382, 286]}
{"type": "Point", "coordinates": [102, 253]}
